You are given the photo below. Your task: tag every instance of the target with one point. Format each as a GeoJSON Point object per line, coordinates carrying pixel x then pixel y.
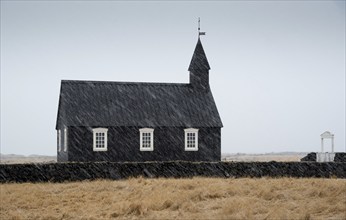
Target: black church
{"type": "Point", "coordinates": [129, 121]}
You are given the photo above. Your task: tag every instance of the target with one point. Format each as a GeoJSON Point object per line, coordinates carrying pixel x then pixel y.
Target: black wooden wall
{"type": "Point", "coordinates": [124, 145]}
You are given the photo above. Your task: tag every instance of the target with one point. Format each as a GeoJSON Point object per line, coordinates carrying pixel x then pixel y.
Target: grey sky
{"type": "Point", "coordinates": [277, 68]}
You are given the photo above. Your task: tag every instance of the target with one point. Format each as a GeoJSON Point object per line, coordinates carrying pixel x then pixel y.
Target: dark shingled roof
{"type": "Point", "coordinates": [97, 103]}
{"type": "Point", "coordinates": [199, 61]}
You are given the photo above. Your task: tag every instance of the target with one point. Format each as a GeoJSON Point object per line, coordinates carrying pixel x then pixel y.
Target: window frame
{"type": "Point", "coordinates": [59, 140]}
{"type": "Point", "coordinates": [191, 131]}
{"type": "Point", "coordinates": [151, 132]}
{"type": "Point", "coordinates": [65, 140]}
{"type": "Point", "coordinates": [100, 130]}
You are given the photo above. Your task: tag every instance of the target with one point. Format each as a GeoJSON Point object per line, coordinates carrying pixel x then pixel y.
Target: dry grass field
{"type": "Point", "coordinates": [196, 198]}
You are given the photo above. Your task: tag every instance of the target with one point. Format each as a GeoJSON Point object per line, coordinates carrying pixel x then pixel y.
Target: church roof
{"type": "Point", "coordinates": [99, 103]}
{"type": "Point", "coordinates": [199, 61]}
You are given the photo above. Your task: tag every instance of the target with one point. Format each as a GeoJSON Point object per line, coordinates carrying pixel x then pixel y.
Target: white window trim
{"type": "Point", "coordinates": [65, 139]}
{"type": "Point", "coordinates": [146, 130]}
{"type": "Point", "coordinates": [195, 131]}
{"type": "Point", "coordinates": [100, 130]}
{"type": "Point", "coordinates": [59, 140]}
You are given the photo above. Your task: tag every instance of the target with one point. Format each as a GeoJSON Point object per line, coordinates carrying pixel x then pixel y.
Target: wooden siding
{"type": "Point", "coordinates": [124, 145]}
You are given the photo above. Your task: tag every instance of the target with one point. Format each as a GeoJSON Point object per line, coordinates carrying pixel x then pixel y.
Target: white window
{"type": "Point", "coordinates": [191, 139]}
{"type": "Point", "coordinates": [59, 140]}
{"type": "Point", "coordinates": [65, 139]}
{"type": "Point", "coordinates": [100, 139]}
{"type": "Point", "coordinates": [146, 139]}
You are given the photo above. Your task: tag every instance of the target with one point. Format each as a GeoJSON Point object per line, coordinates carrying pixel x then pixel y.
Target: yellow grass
{"type": "Point", "coordinates": [197, 198]}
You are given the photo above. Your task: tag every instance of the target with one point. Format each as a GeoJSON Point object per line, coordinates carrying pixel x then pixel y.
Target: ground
{"type": "Point", "coordinates": [196, 198]}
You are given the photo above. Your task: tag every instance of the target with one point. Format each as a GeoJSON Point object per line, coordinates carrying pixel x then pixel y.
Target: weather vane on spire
{"type": "Point", "coordinates": [199, 28]}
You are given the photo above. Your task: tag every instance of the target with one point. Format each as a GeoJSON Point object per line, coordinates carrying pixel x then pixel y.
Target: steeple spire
{"type": "Point", "coordinates": [199, 66]}
{"type": "Point", "coordinates": [199, 61]}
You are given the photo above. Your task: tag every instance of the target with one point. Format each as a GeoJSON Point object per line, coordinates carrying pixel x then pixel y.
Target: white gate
{"type": "Point", "coordinates": [326, 156]}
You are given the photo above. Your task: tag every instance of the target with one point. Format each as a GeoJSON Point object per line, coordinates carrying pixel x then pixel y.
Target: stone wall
{"type": "Point", "coordinates": [339, 157]}
{"type": "Point", "coordinates": [59, 172]}
{"type": "Point", "coordinates": [310, 157]}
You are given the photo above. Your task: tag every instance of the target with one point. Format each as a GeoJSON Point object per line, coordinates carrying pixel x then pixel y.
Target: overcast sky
{"type": "Point", "coordinates": [277, 68]}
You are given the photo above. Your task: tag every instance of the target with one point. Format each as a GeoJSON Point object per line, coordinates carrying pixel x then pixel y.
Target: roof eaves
{"type": "Point", "coordinates": [122, 83]}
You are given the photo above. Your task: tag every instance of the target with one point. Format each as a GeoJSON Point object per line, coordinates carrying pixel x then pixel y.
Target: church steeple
{"type": "Point", "coordinates": [199, 61]}
{"type": "Point", "coordinates": [199, 66]}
